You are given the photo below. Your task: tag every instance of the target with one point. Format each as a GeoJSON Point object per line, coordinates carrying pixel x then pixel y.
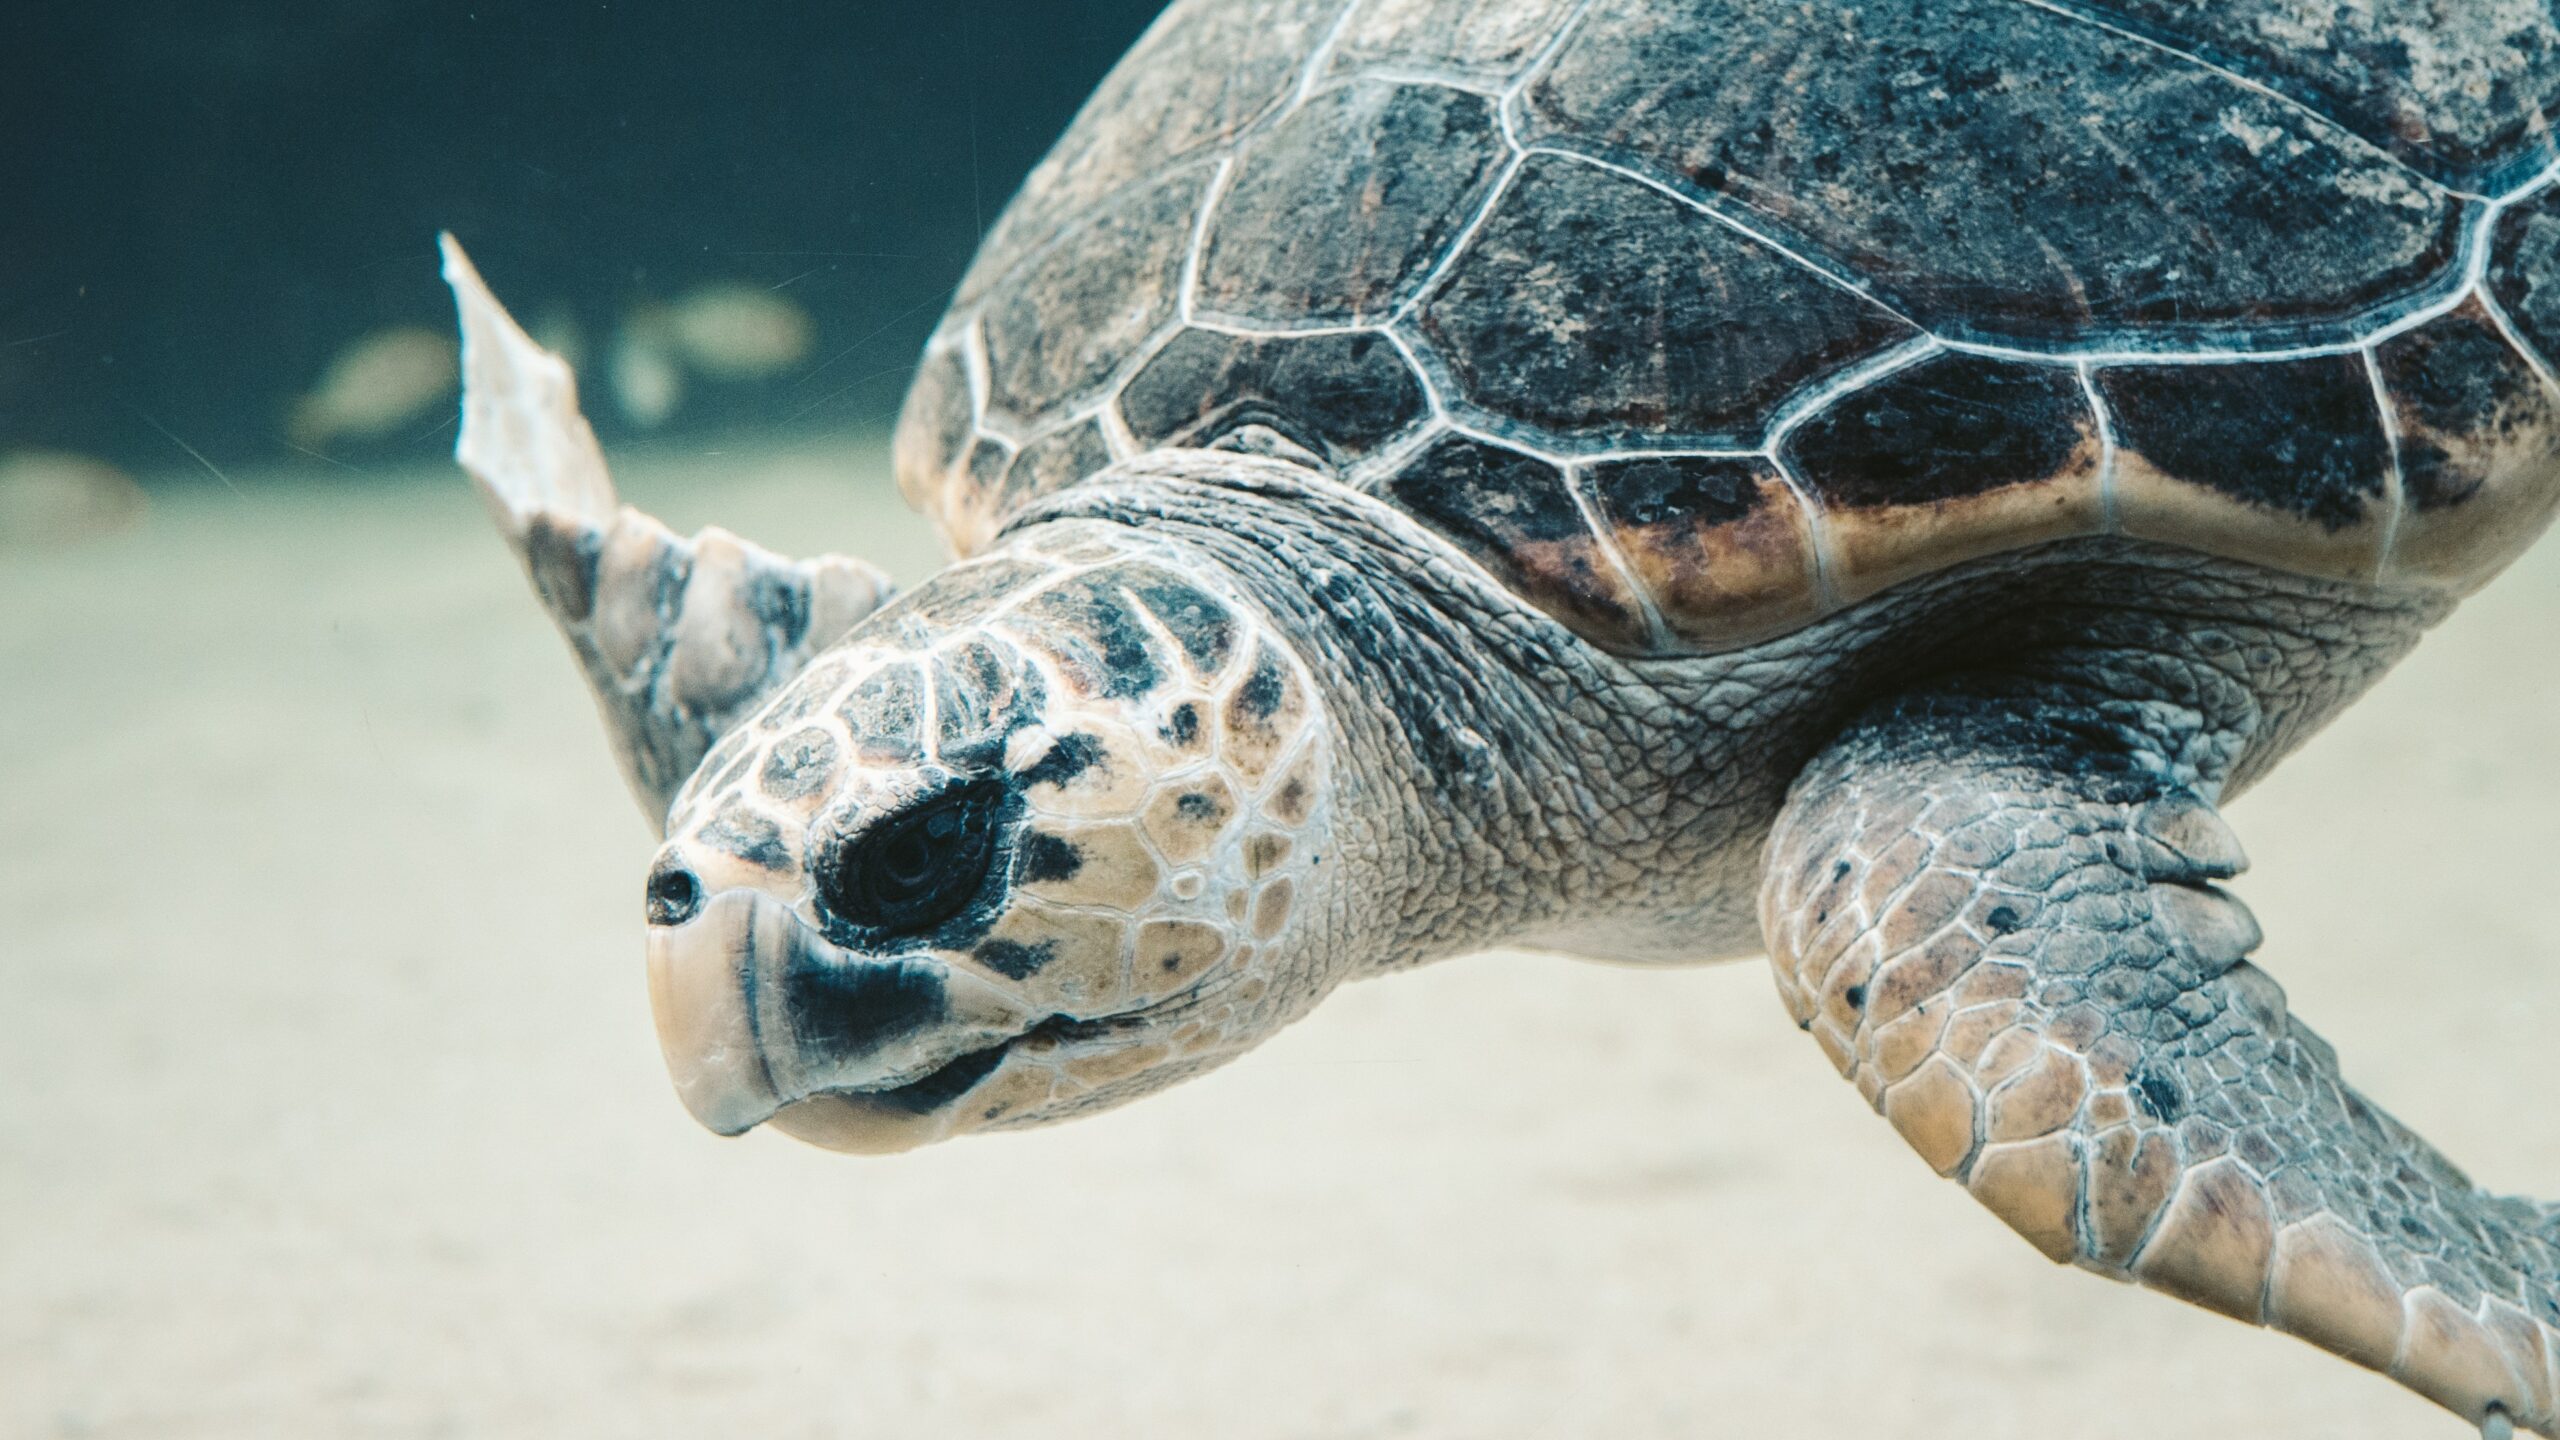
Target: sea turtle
{"type": "Point", "coordinates": [1669, 480]}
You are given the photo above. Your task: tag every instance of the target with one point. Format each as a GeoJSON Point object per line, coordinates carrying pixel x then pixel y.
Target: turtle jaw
{"type": "Point", "coordinates": [763, 1019]}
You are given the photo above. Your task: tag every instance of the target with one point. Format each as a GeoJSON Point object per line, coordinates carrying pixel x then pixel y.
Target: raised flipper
{"type": "Point", "coordinates": [680, 637]}
{"type": "Point", "coordinates": [1993, 907]}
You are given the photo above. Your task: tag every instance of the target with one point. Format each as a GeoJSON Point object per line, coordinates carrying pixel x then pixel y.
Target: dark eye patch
{"type": "Point", "coordinates": [914, 870]}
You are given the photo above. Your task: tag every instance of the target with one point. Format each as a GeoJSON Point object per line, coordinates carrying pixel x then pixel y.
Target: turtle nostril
{"type": "Point", "coordinates": [674, 895]}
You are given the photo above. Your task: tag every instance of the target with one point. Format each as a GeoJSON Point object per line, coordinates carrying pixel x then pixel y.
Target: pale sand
{"type": "Point", "coordinates": [329, 1104]}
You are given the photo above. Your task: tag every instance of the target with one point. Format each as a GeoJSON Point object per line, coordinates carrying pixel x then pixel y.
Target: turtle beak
{"type": "Point", "coordinates": [701, 983]}
{"type": "Point", "coordinates": [762, 1018]}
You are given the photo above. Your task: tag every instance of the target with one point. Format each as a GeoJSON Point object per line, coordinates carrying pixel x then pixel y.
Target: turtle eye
{"type": "Point", "coordinates": [917, 869]}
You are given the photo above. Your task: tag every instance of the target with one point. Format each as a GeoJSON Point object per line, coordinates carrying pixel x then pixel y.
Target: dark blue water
{"type": "Point", "coordinates": [202, 203]}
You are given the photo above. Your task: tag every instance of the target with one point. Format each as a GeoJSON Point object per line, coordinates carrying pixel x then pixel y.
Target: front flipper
{"type": "Point", "coordinates": [680, 637]}
{"type": "Point", "coordinates": [1993, 908]}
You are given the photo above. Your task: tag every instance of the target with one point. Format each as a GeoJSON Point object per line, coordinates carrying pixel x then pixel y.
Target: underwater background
{"type": "Point", "coordinates": [329, 1099]}
{"type": "Point", "coordinates": [204, 205]}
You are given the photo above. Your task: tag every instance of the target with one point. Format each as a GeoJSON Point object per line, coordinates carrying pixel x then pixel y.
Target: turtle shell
{"type": "Point", "coordinates": [1692, 320]}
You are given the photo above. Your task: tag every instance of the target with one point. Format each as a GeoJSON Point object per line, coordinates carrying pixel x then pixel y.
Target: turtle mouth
{"type": "Point", "coordinates": [875, 1120]}
{"type": "Point", "coordinates": [956, 1077]}
{"type": "Point", "coordinates": [762, 1020]}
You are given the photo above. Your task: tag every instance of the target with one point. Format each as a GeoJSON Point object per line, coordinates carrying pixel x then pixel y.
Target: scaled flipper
{"type": "Point", "coordinates": [680, 637]}
{"type": "Point", "coordinates": [1994, 907]}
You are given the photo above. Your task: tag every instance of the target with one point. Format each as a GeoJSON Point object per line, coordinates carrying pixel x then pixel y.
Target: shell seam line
{"type": "Point", "coordinates": [2110, 504]}
{"type": "Point", "coordinates": [1805, 404]}
{"type": "Point", "coordinates": [1318, 59]}
{"type": "Point", "coordinates": [1439, 407]}
{"type": "Point", "coordinates": [974, 371]}
{"type": "Point", "coordinates": [1418, 77]}
{"type": "Point", "coordinates": [1107, 401]}
{"type": "Point", "coordinates": [2515, 339]}
{"type": "Point", "coordinates": [2124, 31]}
{"type": "Point", "coordinates": [1186, 290]}
{"type": "Point", "coordinates": [1219, 324]}
{"type": "Point", "coordinates": [2394, 482]}
{"type": "Point", "coordinates": [1657, 632]}
{"type": "Point", "coordinates": [1817, 525]}
{"type": "Point", "coordinates": [1466, 237]}
{"type": "Point", "coordinates": [1547, 52]}
{"type": "Point", "coordinates": [1843, 280]}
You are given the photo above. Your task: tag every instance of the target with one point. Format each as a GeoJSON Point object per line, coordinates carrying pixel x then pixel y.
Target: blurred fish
{"type": "Point", "coordinates": [48, 497]}
{"type": "Point", "coordinates": [646, 383]}
{"type": "Point", "coordinates": [738, 332]}
{"type": "Point", "coordinates": [376, 385]}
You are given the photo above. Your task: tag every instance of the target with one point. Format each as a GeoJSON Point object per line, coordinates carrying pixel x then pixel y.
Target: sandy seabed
{"type": "Point", "coordinates": [329, 1103]}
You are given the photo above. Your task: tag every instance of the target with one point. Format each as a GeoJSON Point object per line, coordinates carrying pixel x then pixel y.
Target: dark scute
{"type": "Point", "coordinates": [1044, 856]}
{"type": "Point", "coordinates": [852, 1011]}
{"type": "Point", "coordinates": [741, 832]}
{"type": "Point", "coordinates": [562, 559]}
{"type": "Point", "coordinates": [933, 425]}
{"type": "Point", "coordinates": [1192, 616]}
{"type": "Point", "coordinates": [1513, 514]}
{"type": "Point", "coordinates": [1012, 959]}
{"type": "Point", "coordinates": [1052, 463]}
{"type": "Point", "coordinates": [1334, 214]}
{"type": "Point", "coordinates": [2458, 90]}
{"type": "Point", "coordinates": [1337, 396]}
{"type": "Point", "coordinates": [799, 765]}
{"type": "Point", "coordinates": [2524, 270]}
{"type": "Point", "coordinates": [1590, 304]}
{"type": "Point", "coordinates": [1486, 495]}
{"type": "Point", "coordinates": [1948, 427]}
{"type": "Point", "coordinates": [2301, 437]}
{"type": "Point", "coordinates": [2458, 383]}
{"type": "Point", "coordinates": [1183, 725]}
{"type": "Point", "coordinates": [1683, 490]}
{"type": "Point", "coordinates": [886, 715]}
{"type": "Point", "coordinates": [1069, 757]}
{"type": "Point", "coordinates": [1083, 309]}
{"type": "Point", "coordinates": [1203, 72]}
{"type": "Point", "coordinates": [1997, 169]}
{"type": "Point", "coordinates": [1088, 624]}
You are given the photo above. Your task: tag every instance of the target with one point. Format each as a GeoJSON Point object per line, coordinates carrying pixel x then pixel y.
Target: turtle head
{"type": "Point", "coordinates": [1042, 836]}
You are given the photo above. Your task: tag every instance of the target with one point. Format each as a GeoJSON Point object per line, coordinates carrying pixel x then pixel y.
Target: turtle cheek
{"type": "Point", "coordinates": [1060, 960]}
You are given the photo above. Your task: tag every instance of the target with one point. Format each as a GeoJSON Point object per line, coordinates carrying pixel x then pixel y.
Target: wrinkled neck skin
{"type": "Point", "coordinates": [1497, 780]}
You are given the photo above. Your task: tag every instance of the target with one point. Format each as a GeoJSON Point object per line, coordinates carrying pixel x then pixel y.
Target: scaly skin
{"type": "Point", "coordinates": [1991, 902]}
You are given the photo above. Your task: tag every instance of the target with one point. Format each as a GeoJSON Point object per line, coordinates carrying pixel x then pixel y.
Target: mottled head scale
{"type": "Point", "coordinates": [1031, 846]}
